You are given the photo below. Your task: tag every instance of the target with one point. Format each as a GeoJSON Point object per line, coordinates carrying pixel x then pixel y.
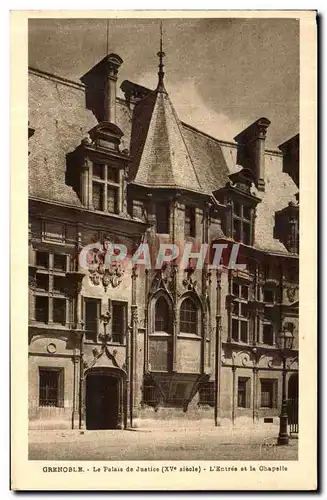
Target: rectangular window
{"type": "Point", "coordinates": [50, 387]}
{"type": "Point", "coordinates": [268, 334]}
{"type": "Point", "coordinates": [98, 170]}
{"type": "Point", "coordinates": [268, 393]}
{"type": "Point", "coordinates": [42, 281]}
{"type": "Point", "coordinates": [162, 218]}
{"type": "Point", "coordinates": [244, 331]}
{"type": "Point", "coordinates": [59, 284]}
{"type": "Point", "coordinates": [51, 301]}
{"type": "Point", "coordinates": [59, 311]}
{"type": "Point", "coordinates": [113, 174]}
{"type": "Point", "coordinates": [112, 200]}
{"type": "Point", "coordinates": [268, 296]}
{"type": "Point", "coordinates": [98, 196]}
{"type": "Point", "coordinates": [59, 262]}
{"type": "Point", "coordinates": [207, 394]}
{"type": "Point", "coordinates": [92, 317]}
{"type": "Point", "coordinates": [119, 321]}
{"type": "Point", "coordinates": [239, 311]}
{"type": "Point", "coordinates": [189, 222]}
{"type": "Point", "coordinates": [42, 259]}
{"type": "Point", "coordinates": [41, 308]}
{"type": "Point", "coordinates": [243, 392]}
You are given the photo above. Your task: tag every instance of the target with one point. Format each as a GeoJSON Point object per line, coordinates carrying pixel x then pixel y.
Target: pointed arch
{"type": "Point", "coordinates": [190, 312]}
{"type": "Point", "coordinates": [160, 353]}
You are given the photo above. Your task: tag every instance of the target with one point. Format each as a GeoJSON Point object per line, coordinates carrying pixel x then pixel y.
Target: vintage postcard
{"type": "Point", "coordinates": [164, 207]}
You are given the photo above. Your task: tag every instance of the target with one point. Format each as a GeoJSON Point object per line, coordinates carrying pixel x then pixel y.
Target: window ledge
{"type": "Point", "coordinates": [193, 336]}
{"type": "Point", "coordinates": [49, 326]}
{"type": "Point", "coordinates": [160, 334]}
{"type": "Point", "coordinates": [98, 343]}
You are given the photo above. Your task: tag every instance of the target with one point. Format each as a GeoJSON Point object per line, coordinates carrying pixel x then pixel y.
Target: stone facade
{"type": "Point", "coordinates": [128, 346]}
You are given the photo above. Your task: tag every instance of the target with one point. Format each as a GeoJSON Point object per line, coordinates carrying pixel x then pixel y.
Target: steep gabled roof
{"type": "Point", "coordinates": [161, 154]}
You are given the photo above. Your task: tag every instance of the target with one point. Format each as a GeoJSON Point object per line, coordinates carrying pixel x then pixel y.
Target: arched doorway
{"type": "Point", "coordinates": [103, 399]}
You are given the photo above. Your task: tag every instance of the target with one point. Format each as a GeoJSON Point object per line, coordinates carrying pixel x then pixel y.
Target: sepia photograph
{"type": "Point", "coordinates": [163, 244]}
{"type": "Point", "coordinates": [155, 153]}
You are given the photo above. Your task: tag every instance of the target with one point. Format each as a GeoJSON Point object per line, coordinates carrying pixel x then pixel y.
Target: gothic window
{"type": "Point", "coordinates": [161, 315]}
{"type": "Point", "coordinates": [105, 188]}
{"type": "Point", "coordinates": [188, 317]}
{"type": "Point", "coordinates": [160, 339]}
{"type": "Point", "coordinates": [51, 302]}
{"type": "Point", "coordinates": [240, 326]}
{"type": "Point", "coordinates": [51, 387]}
{"type": "Point", "coordinates": [162, 218]}
{"type": "Point", "coordinates": [242, 223]}
{"type": "Point", "coordinates": [189, 222]}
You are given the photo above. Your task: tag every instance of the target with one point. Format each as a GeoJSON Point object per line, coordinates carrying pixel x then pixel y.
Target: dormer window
{"type": "Point", "coordinates": [96, 170]}
{"type": "Point", "coordinates": [240, 203]}
{"type": "Point", "coordinates": [287, 227]}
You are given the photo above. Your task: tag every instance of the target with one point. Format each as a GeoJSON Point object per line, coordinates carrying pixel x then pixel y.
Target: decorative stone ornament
{"type": "Point", "coordinates": [189, 282]}
{"type": "Point", "coordinates": [291, 292]}
{"type": "Point", "coordinates": [108, 273]}
{"type": "Point", "coordinates": [51, 348]}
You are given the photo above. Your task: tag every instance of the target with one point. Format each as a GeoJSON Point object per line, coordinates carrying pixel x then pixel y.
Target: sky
{"type": "Point", "coordinates": [221, 74]}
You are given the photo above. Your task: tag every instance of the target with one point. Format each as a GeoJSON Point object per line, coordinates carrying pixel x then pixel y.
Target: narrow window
{"type": "Point", "coordinates": [161, 315]}
{"type": "Point", "coordinates": [268, 393]}
{"type": "Point", "coordinates": [268, 334]}
{"type": "Point", "coordinates": [243, 392]}
{"type": "Point", "coordinates": [41, 308]}
{"type": "Point", "coordinates": [119, 321]}
{"type": "Point", "coordinates": [112, 200]}
{"type": "Point", "coordinates": [59, 311]}
{"type": "Point", "coordinates": [240, 314]}
{"type": "Point", "coordinates": [92, 316]}
{"type": "Point", "coordinates": [162, 218]}
{"type": "Point", "coordinates": [160, 342]}
{"type": "Point", "coordinates": [189, 223]}
{"type": "Point", "coordinates": [98, 196]}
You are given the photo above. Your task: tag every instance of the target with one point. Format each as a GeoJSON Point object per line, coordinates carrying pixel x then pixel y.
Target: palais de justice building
{"type": "Point", "coordinates": [112, 347]}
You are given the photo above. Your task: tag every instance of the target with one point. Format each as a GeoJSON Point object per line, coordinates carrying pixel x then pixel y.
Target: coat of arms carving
{"type": "Point", "coordinates": [105, 270]}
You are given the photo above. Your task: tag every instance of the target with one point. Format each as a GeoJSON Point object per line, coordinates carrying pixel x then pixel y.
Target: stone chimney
{"type": "Point", "coordinates": [100, 86]}
{"type": "Point", "coordinates": [251, 150]}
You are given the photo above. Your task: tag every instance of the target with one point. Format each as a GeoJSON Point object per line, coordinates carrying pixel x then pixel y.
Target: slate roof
{"type": "Point", "coordinates": [166, 152]}
{"type": "Point", "coordinates": [162, 156]}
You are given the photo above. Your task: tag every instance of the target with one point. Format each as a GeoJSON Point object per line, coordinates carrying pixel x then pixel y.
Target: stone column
{"type": "Point", "coordinates": [75, 413]}
{"type": "Point", "coordinates": [218, 347]}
